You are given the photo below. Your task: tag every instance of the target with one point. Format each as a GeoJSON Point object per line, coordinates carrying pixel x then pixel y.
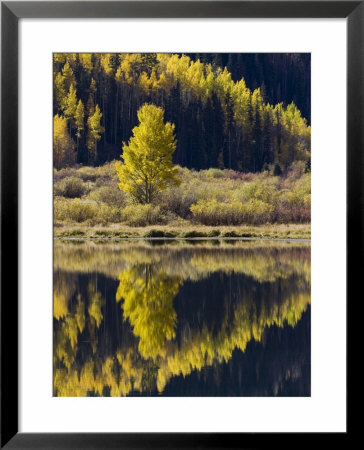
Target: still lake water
{"type": "Point", "coordinates": [208, 318]}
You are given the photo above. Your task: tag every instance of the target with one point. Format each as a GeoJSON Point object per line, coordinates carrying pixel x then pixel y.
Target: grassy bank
{"type": "Point", "coordinates": [208, 203]}
{"type": "Point", "coordinates": [271, 231]}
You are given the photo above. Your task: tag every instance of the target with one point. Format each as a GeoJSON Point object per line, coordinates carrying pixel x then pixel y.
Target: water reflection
{"type": "Point", "coordinates": [180, 319]}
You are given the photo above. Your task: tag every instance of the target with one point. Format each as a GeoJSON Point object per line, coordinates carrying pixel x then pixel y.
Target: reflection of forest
{"type": "Point", "coordinates": [179, 309]}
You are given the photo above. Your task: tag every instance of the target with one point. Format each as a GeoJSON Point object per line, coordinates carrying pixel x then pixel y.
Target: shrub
{"type": "Point", "coordinates": [213, 173]}
{"type": "Point", "coordinates": [141, 215]}
{"type": "Point", "coordinates": [214, 233]}
{"type": "Point", "coordinates": [159, 234]}
{"type": "Point", "coordinates": [70, 187]}
{"type": "Point", "coordinates": [264, 189]}
{"type": "Point", "coordinates": [230, 234]}
{"type": "Point", "coordinates": [178, 200]}
{"type": "Point", "coordinates": [257, 212]}
{"type": "Point", "coordinates": [109, 214]}
{"type": "Point", "coordinates": [88, 173]}
{"type": "Point", "coordinates": [74, 210]}
{"type": "Point", "coordinates": [110, 195]}
{"type": "Point", "coordinates": [194, 234]}
{"type": "Point", "coordinates": [108, 171]}
{"type": "Point", "coordinates": [212, 212]}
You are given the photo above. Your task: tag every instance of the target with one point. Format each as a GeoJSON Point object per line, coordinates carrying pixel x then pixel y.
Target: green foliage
{"type": "Point", "coordinates": [70, 187]}
{"type": "Point", "coordinates": [147, 167]}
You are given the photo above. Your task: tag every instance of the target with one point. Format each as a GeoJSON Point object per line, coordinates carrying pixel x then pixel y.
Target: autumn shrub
{"type": "Point", "coordinates": [257, 212]}
{"type": "Point", "coordinates": [58, 175]}
{"type": "Point", "coordinates": [262, 188]}
{"type": "Point", "coordinates": [109, 214]}
{"type": "Point", "coordinates": [141, 215]}
{"type": "Point", "coordinates": [74, 210]}
{"type": "Point", "coordinates": [213, 173]}
{"type": "Point", "coordinates": [159, 234]}
{"type": "Point", "coordinates": [111, 195]}
{"type": "Point", "coordinates": [70, 187]}
{"type": "Point", "coordinates": [211, 197]}
{"type": "Point", "coordinates": [178, 199]}
{"type": "Point", "coordinates": [88, 173]}
{"type": "Point", "coordinates": [213, 212]}
{"type": "Point", "coordinates": [194, 234]}
{"type": "Point", "coordinates": [108, 171]}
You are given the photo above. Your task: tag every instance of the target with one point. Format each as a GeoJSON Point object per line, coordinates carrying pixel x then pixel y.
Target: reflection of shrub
{"type": "Point", "coordinates": [141, 215]}
{"type": "Point", "coordinates": [70, 187]}
{"type": "Point", "coordinates": [74, 210]}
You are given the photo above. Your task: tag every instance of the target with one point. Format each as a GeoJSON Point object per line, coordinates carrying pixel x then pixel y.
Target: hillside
{"type": "Point", "coordinates": [223, 107]}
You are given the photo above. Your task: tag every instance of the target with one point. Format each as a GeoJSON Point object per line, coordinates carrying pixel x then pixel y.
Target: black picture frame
{"type": "Point", "coordinates": [11, 12]}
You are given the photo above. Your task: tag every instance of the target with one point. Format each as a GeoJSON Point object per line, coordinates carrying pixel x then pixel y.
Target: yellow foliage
{"type": "Point", "coordinates": [147, 166]}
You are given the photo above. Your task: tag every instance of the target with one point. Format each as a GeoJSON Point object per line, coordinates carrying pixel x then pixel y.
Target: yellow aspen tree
{"type": "Point", "coordinates": [148, 167]}
{"type": "Point", "coordinates": [94, 131]}
{"type": "Point", "coordinates": [63, 145]}
{"type": "Point", "coordinates": [71, 106]}
{"type": "Point", "coordinates": [68, 75]}
{"type": "Point", "coordinates": [86, 61]}
{"type": "Point", "coordinates": [79, 121]}
{"type": "Point", "coordinates": [59, 91]}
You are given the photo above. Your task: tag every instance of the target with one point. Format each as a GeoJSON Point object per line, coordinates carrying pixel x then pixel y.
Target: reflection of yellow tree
{"type": "Point", "coordinates": [262, 260]}
{"type": "Point", "coordinates": [200, 349]}
{"type": "Point", "coordinates": [148, 304]}
{"type": "Point", "coordinates": [147, 289]}
{"type": "Point", "coordinates": [71, 318]}
{"type": "Point", "coordinates": [63, 289]}
{"type": "Point", "coordinates": [250, 321]}
{"type": "Point", "coordinates": [95, 303]}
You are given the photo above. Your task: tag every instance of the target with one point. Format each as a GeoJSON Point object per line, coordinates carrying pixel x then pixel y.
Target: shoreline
{"type": "Point", "coordinates": [141, 238]}
{"type": "Point", "coordinates": [287, 232]}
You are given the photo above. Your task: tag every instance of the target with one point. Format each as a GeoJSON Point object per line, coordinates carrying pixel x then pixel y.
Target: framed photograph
{"type": "Point", "coordinates": [181, 223]}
